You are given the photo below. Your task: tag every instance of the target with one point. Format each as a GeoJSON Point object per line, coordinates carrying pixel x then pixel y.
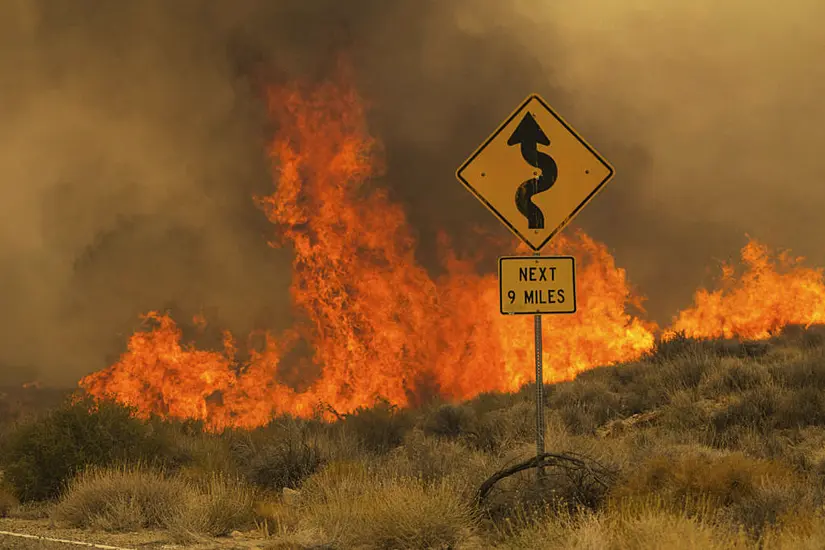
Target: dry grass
{"type": "Point", "coordinates": [348, 507]}
{"type": "Point", "coordinates": [646, 526]}
{"type": "Point", "coordinates": [8, 501]}
{"type": "Point", "coordinates": [132, 498]}
{"type": "Point", "coordinates": [215, 508]}
{"type": "Point", "coordinates": [121, 499]}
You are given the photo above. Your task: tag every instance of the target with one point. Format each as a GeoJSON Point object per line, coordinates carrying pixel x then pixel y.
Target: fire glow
{"type": "Point", "coordinates": [379, 324]}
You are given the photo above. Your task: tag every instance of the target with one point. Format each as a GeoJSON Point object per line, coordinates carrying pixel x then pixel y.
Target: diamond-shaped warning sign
{"type": "Point", "coordinates": [535, 173]}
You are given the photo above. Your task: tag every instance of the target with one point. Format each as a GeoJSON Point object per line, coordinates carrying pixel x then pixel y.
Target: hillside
{"type": "Point", "coordinates": [701, 444]}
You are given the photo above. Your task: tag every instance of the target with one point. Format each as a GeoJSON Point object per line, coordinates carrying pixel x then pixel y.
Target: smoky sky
{"type": "Point", "coordinates": [132, 140]}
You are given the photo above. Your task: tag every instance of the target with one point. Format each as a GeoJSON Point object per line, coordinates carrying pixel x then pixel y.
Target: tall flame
{"type": "Point", "coordinates": [377, 323]}
{"type": "Point", "coordinates": [770, 294]}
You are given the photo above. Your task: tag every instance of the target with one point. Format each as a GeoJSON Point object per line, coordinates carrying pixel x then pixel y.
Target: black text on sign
{"type": "Point", "coordinates": [537, 284]}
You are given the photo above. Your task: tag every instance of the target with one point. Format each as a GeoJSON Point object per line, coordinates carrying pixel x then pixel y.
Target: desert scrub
{"type": "Point", "coordinates": [122, 499]}
{"type": "Point", "coordinates": [733, 375]}
{"type": "Point", "coordinates": [353, 509]}
{"type": "Point", "coordinates": [450, 421]}
{"type": "Point", "coordinates": [41, 456]}
{"type": "Point", "coordinates": [647, 526]}
{"type": "Point", "coordinates": [7, 499]}
{"type": "Point", "coordinates": [745, 491]}
{"type": "Point", "coordinates": [497, 430]}
{"type": "Point", "coordinates": [380, 428]}
{"type": "Point", "coordinates": [215, 507]}
{"type": "Point", "coordinates": [136, 497]}
{"type": "Point", "coordinates": [434, 459]}
{"type": "Point", "coordinates": [769, 408]}
{"type": "Point", "coordinates": [283, 464]}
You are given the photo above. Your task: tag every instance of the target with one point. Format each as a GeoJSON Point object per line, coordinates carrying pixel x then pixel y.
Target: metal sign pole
{"type": "Point", "coordinates": [539, 394]}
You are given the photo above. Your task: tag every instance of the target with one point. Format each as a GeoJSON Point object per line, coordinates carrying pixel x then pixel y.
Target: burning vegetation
{"type": "Point", "coordinates": [378, 324]}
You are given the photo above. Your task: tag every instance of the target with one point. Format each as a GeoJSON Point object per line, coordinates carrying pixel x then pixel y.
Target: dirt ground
{"type": "Point", "coordinates": [133, 541]}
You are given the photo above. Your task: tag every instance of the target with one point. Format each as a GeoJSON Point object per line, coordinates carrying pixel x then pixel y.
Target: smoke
{"type": "Point", "coordinates": [133, 139]}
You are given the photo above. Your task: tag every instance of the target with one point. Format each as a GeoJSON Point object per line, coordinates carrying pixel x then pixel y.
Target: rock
{"type": "Point", "coordinates": [291, 496]}
{"type": "Point", "coordinates": [620, 426]}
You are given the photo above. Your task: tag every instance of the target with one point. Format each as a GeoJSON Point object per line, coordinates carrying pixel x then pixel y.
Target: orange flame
{"type": "Point", "coordinates": [377, 324]}
{"type": "Point", "coordinates": [770, 294]}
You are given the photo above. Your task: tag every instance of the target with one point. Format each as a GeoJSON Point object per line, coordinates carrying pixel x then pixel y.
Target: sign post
{"type": "Point", "coordinates": [535, 193]}
{"type": "Point", "coordinates": [539, 393]}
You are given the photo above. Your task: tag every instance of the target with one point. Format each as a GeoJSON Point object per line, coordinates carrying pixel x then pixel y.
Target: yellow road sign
{"type": "Point", "coordinates": [537, 284]}
{"type": "Point", "coordinates": [535, 191]}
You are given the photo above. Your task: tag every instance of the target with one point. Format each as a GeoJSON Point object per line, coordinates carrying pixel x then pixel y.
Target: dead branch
{"type": "Point", "coordinates": [572, 464]}
{"type": "Point", "coordinates": [329, 408]}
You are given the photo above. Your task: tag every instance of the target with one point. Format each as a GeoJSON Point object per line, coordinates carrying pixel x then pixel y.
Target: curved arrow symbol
{"type": "Point", "coordinates": [529, 135]}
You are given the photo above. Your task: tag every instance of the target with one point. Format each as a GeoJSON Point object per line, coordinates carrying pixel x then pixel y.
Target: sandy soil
{"type": "Point", "coordinates": [134, 541]}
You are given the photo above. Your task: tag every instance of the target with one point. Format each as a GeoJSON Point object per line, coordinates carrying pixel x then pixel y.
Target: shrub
{"type": "Point", "coordinates": [379, 428]}
{"type": "Point", "coordinates": [771, 503]}
{"type": "Point", "coordinates": [681, 346]}
{"type": "Point", "coordinates": [704, 482]}
{"type": "Point", "coordinates": [755, 409]}
{"type": "Point", "coordinates": [431, 460]}
{"type": "Point", "coordinates": [805, 407]}
{"type": "Point", "coordinates": [586, 406]}
{"type": "Point", "coordinates": [646, 526]}
{"type": "Point", "coordinates": [491, 401]}
{"type": "Point", "coordinates": [122, 499]}
{"type": "Point", "coordinates": [497, 429]}
{"type": "Point", "coordinates": [734, 375]}
{"type": "Point", "coordinates": [7, 500]}
{"type": "Point", "coordinates": [285, 464]}
{"type": "Point", "coordinates": [202, 455]}
{"type": "Point", "coordinates": [219, 506]}
{"type": "Point", "coordinates": [450, 421]}
{"type": "Point", "coordinates": [685, 372]}
{"type": "Point", "coordinates": [400, 513]}
{"type": "Point", "coordinates": [40, 457]}
{"type": "Point", "coordinates": [771, 408]}
{"type": "Point", "coordinates": [684, 414]}
{"type": "Point", "coordinates": [135, 497]}
{"type": "Point", "coordinates": [807, 372]}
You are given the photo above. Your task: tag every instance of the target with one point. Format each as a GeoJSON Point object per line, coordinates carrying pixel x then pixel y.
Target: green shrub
{"type": "Point", "coordinates": [41, 456]}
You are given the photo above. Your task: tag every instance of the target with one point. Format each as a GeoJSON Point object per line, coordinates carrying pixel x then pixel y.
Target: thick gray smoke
{"type": "Point", "coordinates": [132, 141]}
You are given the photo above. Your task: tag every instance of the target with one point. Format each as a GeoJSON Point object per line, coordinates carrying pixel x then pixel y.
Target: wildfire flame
{"type": "Point", "coordinates": [770, 294]}
{"type": "Point", "coordinates": [377, 323]}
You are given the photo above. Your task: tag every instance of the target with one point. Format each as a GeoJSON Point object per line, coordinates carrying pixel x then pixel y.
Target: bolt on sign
{"type": "Point", "coordinates": [536, 285]}
{"type": "Point", "coordinates": [535, 191]}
